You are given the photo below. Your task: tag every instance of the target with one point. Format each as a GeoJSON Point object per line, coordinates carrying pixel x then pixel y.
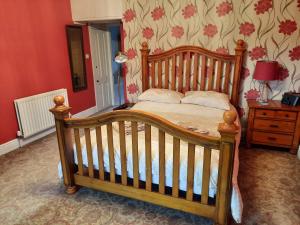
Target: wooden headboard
{"type": "Point", "coordinates": [174, 69]}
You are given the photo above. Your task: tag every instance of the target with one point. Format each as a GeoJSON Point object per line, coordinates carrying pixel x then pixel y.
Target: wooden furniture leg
{"type": "Point", "coordinates": [60, 112]}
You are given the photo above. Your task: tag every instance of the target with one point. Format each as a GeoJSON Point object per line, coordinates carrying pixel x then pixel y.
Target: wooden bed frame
{"type": "Point", "coordinates": [180, 63]}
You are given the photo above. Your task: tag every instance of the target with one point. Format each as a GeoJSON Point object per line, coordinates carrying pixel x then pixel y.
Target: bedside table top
{"type": "Point", "coordinates": [272, 104]}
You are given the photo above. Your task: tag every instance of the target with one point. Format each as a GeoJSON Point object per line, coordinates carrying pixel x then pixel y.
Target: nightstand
{"type": "Point", "coordinates": [274, 124]}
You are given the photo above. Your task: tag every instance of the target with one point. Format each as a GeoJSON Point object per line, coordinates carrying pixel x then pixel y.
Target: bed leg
{"type": "Point", "coordinates": [228, 130]}
{"type": "Point", "coordinates": [71, 189]}
{"type": "Point", "coordinates": [65, 145]}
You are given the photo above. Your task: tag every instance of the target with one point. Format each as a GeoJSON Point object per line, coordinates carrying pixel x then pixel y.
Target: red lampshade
{"type": "Point", "coordinates": [266, 70]}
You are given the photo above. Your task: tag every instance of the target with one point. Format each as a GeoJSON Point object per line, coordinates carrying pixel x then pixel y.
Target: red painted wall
{"type": "Point", "coordinates": [34, 57]}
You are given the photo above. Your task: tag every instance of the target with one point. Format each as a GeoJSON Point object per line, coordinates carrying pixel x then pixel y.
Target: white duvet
{"type": "Point", "coordinates": [194, 116]}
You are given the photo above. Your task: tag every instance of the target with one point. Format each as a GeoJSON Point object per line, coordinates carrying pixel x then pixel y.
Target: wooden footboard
{"type": "Point", "coordinates": [76, 175]}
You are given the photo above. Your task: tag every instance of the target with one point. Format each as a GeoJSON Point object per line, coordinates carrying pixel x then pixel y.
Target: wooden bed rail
{"type": "Point", "coordinates": [77, 175]}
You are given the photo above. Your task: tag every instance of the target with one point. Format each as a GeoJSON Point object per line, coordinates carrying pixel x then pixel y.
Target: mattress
{"type": "Point", "coordinates": [200, 119]}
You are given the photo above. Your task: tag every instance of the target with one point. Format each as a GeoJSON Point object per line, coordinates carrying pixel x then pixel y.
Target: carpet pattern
{"type": "Point", "coordinates": [31, 193]}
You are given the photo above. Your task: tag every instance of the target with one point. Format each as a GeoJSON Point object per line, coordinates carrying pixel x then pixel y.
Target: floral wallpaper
{"type": "Point", "coordinates": [270, 28]}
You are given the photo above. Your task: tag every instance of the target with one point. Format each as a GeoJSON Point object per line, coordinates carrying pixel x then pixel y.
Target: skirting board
{"type": "Point", "coordinates": [20, 142]}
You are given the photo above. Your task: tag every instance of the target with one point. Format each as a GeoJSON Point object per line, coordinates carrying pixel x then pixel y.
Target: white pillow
{"type": "Point", "coordinates": [207, 98]}
{"type": "Point", "coordinates": [161, 95]}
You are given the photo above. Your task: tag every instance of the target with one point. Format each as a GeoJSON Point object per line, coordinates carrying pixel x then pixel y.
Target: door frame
{"type": "Point", "coordinates": [109, 55]}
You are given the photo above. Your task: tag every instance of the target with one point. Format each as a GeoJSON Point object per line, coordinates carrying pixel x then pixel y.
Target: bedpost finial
{"type": "Point", "coordinates": [229, 117]}
{"type": "Point", "coordinates": [229, 125]}
{"type": "Point", "coordinates": [59, 100]}
{"type": "Point", "coordinates": [60, 110]}
{"type": "Point", "coordinates": [145, 45]}
{"type": "Point", "coordinates": [240, 45]}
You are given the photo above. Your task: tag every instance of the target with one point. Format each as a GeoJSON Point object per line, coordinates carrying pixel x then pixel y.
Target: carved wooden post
{"type": "Point", "coordinates": [239, 52]}
{"type": "Point", "coordinates": [60, 112]}
{"type": "Point", "coordinates": [145, 68]}
{"type": "Point", "coordinates": [228, 131]}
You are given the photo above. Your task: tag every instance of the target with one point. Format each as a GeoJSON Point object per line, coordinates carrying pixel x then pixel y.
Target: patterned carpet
{"type": "Point", "coordinates": [31, 193]}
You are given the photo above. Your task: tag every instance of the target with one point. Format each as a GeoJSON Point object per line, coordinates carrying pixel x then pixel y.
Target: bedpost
{"type": "Point", "coordinates": [228, 131]}
{"type": "Point", "coordinates": [145, 77]}
{"type": "Point", "coordinates": [239, 53]}
{"type": "Point", "coordinates": [60, 112]}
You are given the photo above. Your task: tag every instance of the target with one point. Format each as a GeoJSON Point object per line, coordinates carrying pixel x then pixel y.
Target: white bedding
{"type": "Point", "coordinates": [198, 117]}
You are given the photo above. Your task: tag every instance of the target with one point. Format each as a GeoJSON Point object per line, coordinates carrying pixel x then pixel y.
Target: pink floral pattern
{"type": "Point", "coordinates": [132, 88]}
{"type": "Point", "coordinates": [131, 53]}
{"type": "Point", "coordinates": [148, 33]}
{"type": "Point", "coordinates": [129, 15]}
{"type": "Point", "coordinates": [224, 8]}
{"type": "Point", "coordinates": [252, 94]}
{"type": "Point", "coordinates": [177, 31]}
{"type": "Point", "coordinates": [294, 54]}
{"type": "Point", "coordinates": [245, 72]}
{"type": "Point", "coordinates": [210, 30]}
{"type": "Point", "coordinates": [189, 11]}
{"type": "Point", "coordinates": [158, 13]}
{"type": "Point", "coordinates": [263, 6]}
{"type": "Point", "coordinates": [283, 73]}
{"type": "Point", "coordinates": [157, 51]}
{"type": "Point", "coordinates": [222, 50]}
{"type": "Point", "coordinates": [247, 28]}
{"type": "Point", "coordinates": [287, 27]}
{"type": "Point", "coordinates": [257, 53]}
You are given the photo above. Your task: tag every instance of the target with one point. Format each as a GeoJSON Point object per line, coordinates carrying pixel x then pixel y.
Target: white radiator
{"type": "Point", "coordinates": [33, 112]}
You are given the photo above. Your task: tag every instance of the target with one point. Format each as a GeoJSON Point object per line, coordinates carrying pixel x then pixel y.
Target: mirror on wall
{"type": "Point", "coordinates": [76, 55]}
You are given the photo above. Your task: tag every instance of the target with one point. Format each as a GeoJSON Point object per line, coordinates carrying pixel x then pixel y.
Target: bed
{"type": "Point", "coordinates": [147, 153]}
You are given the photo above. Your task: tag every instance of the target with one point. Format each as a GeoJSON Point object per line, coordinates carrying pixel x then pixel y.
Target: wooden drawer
{"type": "Point", "coordinates": [272, 139]}
{"type": "Point", "coordinates": [286, 115]}
{"type": "Point", "coordinates": [274, 125]}
{"type": "Point", "coordinates": [264, 113]}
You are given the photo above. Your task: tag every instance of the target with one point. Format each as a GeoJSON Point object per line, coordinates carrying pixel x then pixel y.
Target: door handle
{"type": "Point", "coordinates": [97, 81]}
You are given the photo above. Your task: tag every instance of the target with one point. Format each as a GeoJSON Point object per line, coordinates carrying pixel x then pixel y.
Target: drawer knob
{"type": "Point", "coordinates": [286, 115]}
{"type": "Point", "coordinates": [274, 126]}
{"type": "Point", "coordinates": [272, 138]}
{"type": "Point", "coordinates": [264, 113]}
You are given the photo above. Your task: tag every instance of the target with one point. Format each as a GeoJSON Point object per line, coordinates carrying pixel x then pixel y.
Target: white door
{"type": "Point", "coordinates": [101, 58]}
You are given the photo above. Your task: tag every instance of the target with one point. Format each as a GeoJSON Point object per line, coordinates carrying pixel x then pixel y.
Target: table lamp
{"type": "Point", "coordinates": [264, 72]}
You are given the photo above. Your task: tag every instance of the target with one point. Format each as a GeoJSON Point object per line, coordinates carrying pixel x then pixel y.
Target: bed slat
{"type": "Point", "coordinates": [196, 72]}
{"type": "Point", "coordinates": [212, 63]}
{"type": "Point", "coordinates": [190, 172]}
{"type": "Point", "coordinates": [78, 151]}
{"type": "Point", "coordinates": [173, 81]}
{"type": "Point", "coordinates": [180, 72]}
{"type": "Point", "coordinates": [203, 72]}
{"type": "Point", "coordinates": [188, 72]}
{"type": "Point", "coordinates": [110, 141]}
{"type": "Point", "coordinates": [159, 74]}
{"type": "Point", "coordinates": [148, 157]}
{"type": "Point", "coordinates": [152, 71]}
{"type": "Point", "coordinates": [89, 151]}
{"type": "Point", "coordinates": [219, 75]}
{"type": "Point", "coordinates": [123, 152]}
{"type": "Point", "coordinates": [206, 175]}
{"type": "Point", "coordinates": [227, 78]}
{"type": "Point", "coordinates": [100, 152]}
{"type": "Point", "coordinates": [167, 73]}
{"type": "Point", "coordinates": [162, 165]}
{"type": "Point", "coordinates": [135, 153]}
{"type": "Point", "coordinates": [176, 158]}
